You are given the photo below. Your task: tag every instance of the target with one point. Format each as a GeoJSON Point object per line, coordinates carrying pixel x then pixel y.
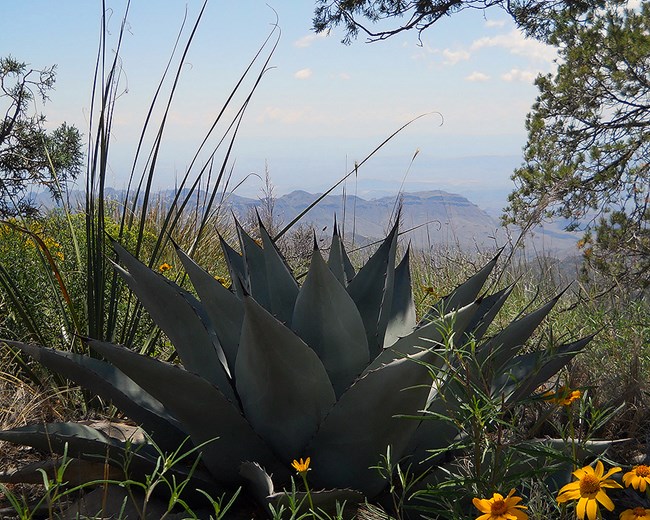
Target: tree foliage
{"type": "Point", "coordinates": [30, 155]}
{"type": "Point", "coordinates": [587, 158]}
{"type": "Point", "coordinates": [381, 19]}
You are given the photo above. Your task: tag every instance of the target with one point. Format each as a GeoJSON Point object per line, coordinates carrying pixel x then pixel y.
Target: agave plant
{"type": "Point", "coordinates": [269, 370]}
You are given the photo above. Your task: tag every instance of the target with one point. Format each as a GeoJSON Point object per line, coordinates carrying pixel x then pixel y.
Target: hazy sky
{"type": "Point", "coordinates": [322, 105]}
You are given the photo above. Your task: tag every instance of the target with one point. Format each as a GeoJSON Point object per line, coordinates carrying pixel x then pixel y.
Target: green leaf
{"type": "Point", "coordinates": [323, 500]}
{"type": "Point", "coordinates": [365, 421]}
{"type": "Point", "coordinates": [224, 309]}
{"type": "Point", "coordinates": [327, 319]}
{"type": "Point", "coordinates": [283, 288]}
{"type": "Point", "coordinates": [255, 268]}
{"type": "Point", "coordinates": [201, 407]}
{"type": "Point", "coordinates": [371, 289]}
{"type": "Point", "coordinates": [429, 336]}
{"type": "Point", "coordinates": [283, 386]}
{"type": "Point", "coordinates": [436, 431]}
{"type": "Point", "coordinates": [525, 373]}
{"type": "Point", "coordinates": [401, 320]}
{"type": "Point", "coordinates": [111, 384]}
{"type": "Point", "coordinates": [338, 260]}
{"type": "Point", "coordinates": [464, 294]}
{"type": "Point", "coordinates": [173, 311]}
{"type": "Point", "coordinates": [82, 442]}
{"type": "Point", "coordinates": [506, 344]}
{"type": "Point", "coordinates": [485, 314]}
{"type": "Point", "coordinates": [236, 267]}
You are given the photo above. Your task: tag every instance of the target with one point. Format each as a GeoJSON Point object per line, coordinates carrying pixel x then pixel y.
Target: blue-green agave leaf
{"type": "Point", "coordinates": [224, 309]}
{"type": "Point", "coordinates": [106, 381]}
{"type": "Point", "coordinates": [436, 431]}
{"type": "Point", "coordinates": [203, 410]}
{"type": "Point", "coordinates": [485, 314]}
{"type": "Point", "coordinates": [401, 320]}
{"type": "Point", "coordinates": [506, 344]}
{"type": "Point", "coordinates": [365, 421]}
{"type": "Point", "coordinates": [527, 372]}
{"type": "Point", "coordinates": [429, 336]}
{"type": "Point", "coordinates": [323, 500]}
{"type": "Point", "coordinates": [177, 315]}
{"type": "Point", "coordinates": [327, 319]}
{"type": "Point", "coordinates": [283, 288]}
{"type": "Point", "coordinates": [338, 260]}
{"type": "Point", "coordinates": [82, 442]}
{"type": "Point", "coordinates": [372, 289]}
{"type": "Point", "coordinates": [236, 268]}
{"type": "Point", "coordinates": [464, 294]}
{"type": "Point", "coordinates": [255, 268]}
{"type": "Point", "coordinates": [283, 386]}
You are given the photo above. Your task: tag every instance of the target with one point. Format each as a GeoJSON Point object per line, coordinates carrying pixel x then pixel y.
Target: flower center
{"type": "Point", "coordinates": [589, 484]}
{"type": "Point", "coordinates": [638, 512]}
{"type": "Point", "coordinates": [643, 471]}
{"type": "Point", "coordinates": [498, 507]}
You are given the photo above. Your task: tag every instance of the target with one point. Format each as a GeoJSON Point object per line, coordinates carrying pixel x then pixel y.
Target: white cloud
{"type": "Point", "coordinates": [283, 115]}
{"type": "Point", "coordinates": [527, 76]}
{"type": "Point", "coordinates": [303, 74]}
{"type": "Point", "coordinates": [344, 76]}
{"type": "Point", "coordinates": [453, 57]}
{"type": "Point", "coordinates": [495, 23]}
{"type": "Point", "coordinates": [516, 43]}
{"type": "Point", "coordinates": [306, 41]}
{"type": "Point", "coordinates": [477, 77]}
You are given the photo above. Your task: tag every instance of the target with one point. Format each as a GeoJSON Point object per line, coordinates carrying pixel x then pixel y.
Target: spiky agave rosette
{"type": "Point", "coordinates": [336, 369]}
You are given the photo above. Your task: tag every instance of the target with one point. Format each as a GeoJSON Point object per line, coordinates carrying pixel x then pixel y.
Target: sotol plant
{"type": "Point", "coordinates": [335, 368]}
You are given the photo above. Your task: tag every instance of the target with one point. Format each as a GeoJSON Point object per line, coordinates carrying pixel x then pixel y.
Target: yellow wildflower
{"type": "Point", "coordinates": [500, 508]}
{"type": "Point", "coordinates": [221, 280]}
{"type": "Point", "coordinates": [563, 396]}
{"type": "Point", "coordinates": [638, 513]}
{"type": "Point", "coordinates": [638, 477]}
{"type": "Point", "coordinates": [302, 467]}
{"type": "Point", "coordinates": [589, 490]}
{"type": "Point", "coordinates": [429, 290]}
{"type": "Point", "coordinates": [164, 267]}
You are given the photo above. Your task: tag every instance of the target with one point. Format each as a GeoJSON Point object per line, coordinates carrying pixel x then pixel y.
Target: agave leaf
{"type": "Point", "coordinates": [525, 373]}
{"type": "Point", "coordinates": [224, 309]}
{"type": "Point", "coordinates": [327, 319]}
{"type": "Point", "coordinates": [401, 320]}
{"type": "Point", "coordinates": [236, 267]}
{"type": "Point", "coordinates": [201, 407]}
{"type": "Point", "coordinates": [371, 293]}
{"type": "Point", "coordinates": [464, 294]}
{"type": "Point", "coordinates": [283, 386]}
{"type": "Point", "coordinates": [77, 472]}
{"type": "Point", "coordinates": [506, 344]}
{"type": "Point", "coordinates": [105, 380]}
{"type": "Point", "coordinates": [368, 414]}
{"type": "Point", "coordinates": [323, 500]}
{"type": "Point", "coordinates": [255, 268]}
{"type": "Point", "coordinates": [436, 431]}
{"type": "Point", "coordinates": [82, 442]}
{"type": "Point", "coordinates": [338, 260]}
{"type": "Point", "coordinates": [173, 312]}
{"type": "Point", "coordinates": [485, 314]}
{"type": "Point", "coordinates": [283, 288]}
{"type": "Point", "coordinates": [431, 335]}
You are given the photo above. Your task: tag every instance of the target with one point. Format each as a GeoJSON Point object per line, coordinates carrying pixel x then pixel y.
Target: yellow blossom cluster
{"type": "Point", "coordinates": [562, 396]}
{"type": "Point", "coordinates": [590, 491]}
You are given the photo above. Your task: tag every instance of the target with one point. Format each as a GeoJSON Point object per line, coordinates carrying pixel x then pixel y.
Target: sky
{"type": "Point", "coordinates": [320, 107]}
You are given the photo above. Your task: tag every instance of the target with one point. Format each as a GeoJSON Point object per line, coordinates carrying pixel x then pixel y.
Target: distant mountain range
{"type": "Point", "coordinates": [428, 219]}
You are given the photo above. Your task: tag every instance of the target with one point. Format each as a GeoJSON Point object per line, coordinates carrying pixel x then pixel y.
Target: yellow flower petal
{"type": "Point", "coordinates": [602, 497]}
{"type": "Point", "coordinates": [592, 509]}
